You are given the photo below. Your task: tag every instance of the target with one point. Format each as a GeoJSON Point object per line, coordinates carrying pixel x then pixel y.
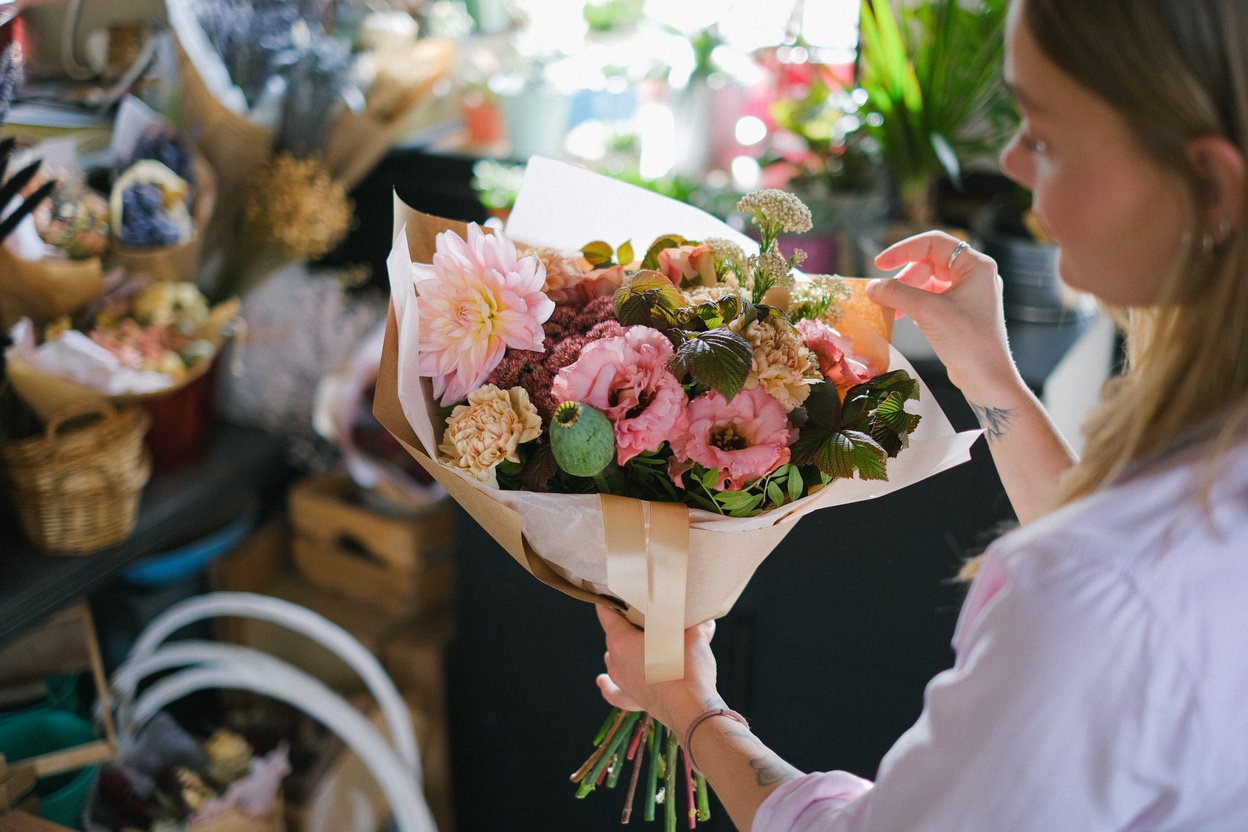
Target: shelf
{"type": "Point", "coordinates": [242, 468]}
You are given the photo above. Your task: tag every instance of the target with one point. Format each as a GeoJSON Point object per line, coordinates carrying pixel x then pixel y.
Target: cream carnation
{"type": "Point", "coordinates": [489, 429]}
{"type": "Point", "coordinates": [783, 365]}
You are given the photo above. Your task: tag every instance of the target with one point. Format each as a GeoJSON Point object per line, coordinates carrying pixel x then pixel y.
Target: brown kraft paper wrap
{"type": "Point", "coordinates": [716, 566]}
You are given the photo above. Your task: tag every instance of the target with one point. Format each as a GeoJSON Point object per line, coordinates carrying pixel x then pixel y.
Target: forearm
{"type": "Point", "coordinates": [1029, 453]}
{"type": "Point", "coordinates": [738, 767]}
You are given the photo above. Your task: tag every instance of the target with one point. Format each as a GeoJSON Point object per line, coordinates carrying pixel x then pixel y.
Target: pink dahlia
{"type": "Point", "coordinates": [476, 300]}
{"type": "Point", "coordinates": [626, 377]}
{"type": "Point", "coordinates": [744, 439]}
{"type": "Point", "coordinates": [832, 349]}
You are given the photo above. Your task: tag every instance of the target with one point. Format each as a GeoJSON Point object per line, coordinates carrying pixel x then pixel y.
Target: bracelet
{"type": "Point", "coordinates": [698, 720]}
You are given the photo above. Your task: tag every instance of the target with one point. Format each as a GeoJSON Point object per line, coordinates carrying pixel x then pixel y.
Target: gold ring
{"type": "Point", "coordinates": [957, 252]}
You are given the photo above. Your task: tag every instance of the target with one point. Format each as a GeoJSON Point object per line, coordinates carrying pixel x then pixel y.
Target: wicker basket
{"type": "Point", "coordinates": [76, 488]}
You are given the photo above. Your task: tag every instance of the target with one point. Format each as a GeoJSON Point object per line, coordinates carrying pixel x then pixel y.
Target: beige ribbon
{"type": "Point", "coordinates": [648, 559]}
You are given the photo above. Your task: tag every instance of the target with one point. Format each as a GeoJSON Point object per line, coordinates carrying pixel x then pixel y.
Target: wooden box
{"type": "Point", "coordinates": [25, 822]}
{"type": "Point", "coordinates": [64, 643]}
{"type": "Point", "coordinates": [402, 563]}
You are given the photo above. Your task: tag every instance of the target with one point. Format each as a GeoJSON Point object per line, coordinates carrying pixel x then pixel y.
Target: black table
{"type": "Point", "coordinates": [242, 466]}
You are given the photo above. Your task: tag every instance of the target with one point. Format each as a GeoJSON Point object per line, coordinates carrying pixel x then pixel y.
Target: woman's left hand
{"type": "Point", "coordinates": [624, 684]}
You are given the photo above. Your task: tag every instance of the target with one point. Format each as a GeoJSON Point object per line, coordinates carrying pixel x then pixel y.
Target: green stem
{"type": "Point", "coordinates": [612, 748]}
{"type": "Point", "coordinates": [669, 784]}
{"type": "Point", "coordinates": [606, 726]}
{"type": "Point", "coordinates": [654, 745]}
{"type": "Point", "coordinates": [704, 798]}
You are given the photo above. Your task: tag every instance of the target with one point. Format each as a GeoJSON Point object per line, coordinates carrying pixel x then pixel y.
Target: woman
{"type": "Point", "coordinates": [1101, 673]}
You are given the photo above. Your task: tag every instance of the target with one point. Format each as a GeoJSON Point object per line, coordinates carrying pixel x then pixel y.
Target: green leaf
{"type": "Point", "coordinates": [797, 486]}
{"type": "Point", "coordinates": [730, 306]}
{"type": "Point", "coordinates": [839, 453]}
{"type": "Point", "coordinates": [625, 254]}
{"type": "Point", "coordinates": [823, 405]}
{"type": "Point", "coordinates": [719, 359]}
{"type": "Point", "coordinates": [647, 298]}
{"type": "Point", "coordinates": [774, 493]}
{"type": "Point", "coordinates": [651, 260]}
{"type": "Point", "coordinates": [892, 412]}
{"type": "Point", "coordinates": [597, 253]}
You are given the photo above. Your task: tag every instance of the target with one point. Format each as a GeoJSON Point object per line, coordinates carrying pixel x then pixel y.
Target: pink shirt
{"type": "Point", "coordinates": [1100, 680]}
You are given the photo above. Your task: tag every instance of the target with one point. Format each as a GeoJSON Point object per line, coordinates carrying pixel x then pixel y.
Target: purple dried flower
{"type": "Point", "coordinates": [607, 329]}
{"type": "Point", "coordinates": [565, 352]}
{"type": "Point", "coordinates": [525, 368]}
{"type": "Point", "coordinates": [10, 71]}
{"type": "Point", "coordinates": [599, 309]}
{"type": "Point", "coordinates": [168, 148]}
{"type": "Point", "coordinates": [559, 325]}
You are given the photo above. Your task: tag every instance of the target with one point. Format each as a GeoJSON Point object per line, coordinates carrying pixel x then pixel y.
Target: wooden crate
{"type": "Point", "coordinates": [26, 822]}
{"type": "Point", "coordinates": [64, 643]}
{"type": "Point", "coordinates": [404, 564]}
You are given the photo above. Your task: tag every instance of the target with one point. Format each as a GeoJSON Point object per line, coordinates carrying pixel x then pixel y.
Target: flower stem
{"type": "Point", "coordinates": [704, 798]}
{"type": "Point", "coordinates": [636, 751]}
{"type": "Point", "coordinates": [693, 810]}
{"type": "Point", "coordinates": [669, 785]}
{"type": "Point", "coordinates": [616, 722]}
{"type": "Point", "coordinates": [609, 748]}
{"type": "Point", "coordinates": [654, 745]}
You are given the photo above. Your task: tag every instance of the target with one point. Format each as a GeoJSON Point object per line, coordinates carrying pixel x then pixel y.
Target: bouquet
{"type": "Point", "coordinates": [143, 339]}
{"type": "Point", "coordinates": [611, 414]}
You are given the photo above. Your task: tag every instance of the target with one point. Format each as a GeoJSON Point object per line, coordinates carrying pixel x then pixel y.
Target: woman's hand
{"type": "Point", "coordinates": [624, 684]}
{"type": "Point", "coordinates": [954, 295]}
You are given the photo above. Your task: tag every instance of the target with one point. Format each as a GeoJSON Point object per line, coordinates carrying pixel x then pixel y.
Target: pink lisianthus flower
{"type": "Point", "coordinates": [695, 264]}
{"type": "Point", "coordinates": [833, 351]}
{"type": "Point", "coordinates": [626, 377]}
{"type": "Point", "coordinates": [744, 439]}
{"type": "Point", "coordinates": [476, 300]}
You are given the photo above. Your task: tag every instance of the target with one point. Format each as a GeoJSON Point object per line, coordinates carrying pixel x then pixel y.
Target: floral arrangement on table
{"type": "Point", "coordinates": [141, 339]}
{"type": "Point", "coordinates": [610, 414]}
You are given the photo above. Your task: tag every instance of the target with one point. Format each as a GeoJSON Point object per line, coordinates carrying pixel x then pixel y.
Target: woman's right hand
{"type": "Point", "coordinates": [956, 301]}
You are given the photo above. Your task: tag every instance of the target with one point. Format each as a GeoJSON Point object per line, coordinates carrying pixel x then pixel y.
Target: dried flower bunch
{"type": "Point", "coordinates": [296, 205]}
{"type": "Point", "coordinates": [676, 376]}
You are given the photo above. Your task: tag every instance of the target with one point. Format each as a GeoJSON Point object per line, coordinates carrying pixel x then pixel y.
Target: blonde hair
{"type": "Point", "coordinates": [1176, 71]}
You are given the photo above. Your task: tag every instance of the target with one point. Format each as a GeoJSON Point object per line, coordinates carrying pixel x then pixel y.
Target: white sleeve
{"type": "Point", "coordinates": [1067, 709]}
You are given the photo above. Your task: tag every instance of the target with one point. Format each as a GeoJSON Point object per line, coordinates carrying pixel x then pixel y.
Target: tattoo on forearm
{"type": "Point", "coordinates": [745, 735]}
{"type": "Point", "coordinates": [994, 420]}
{"type": "Point", "coordinates": [767, 772]}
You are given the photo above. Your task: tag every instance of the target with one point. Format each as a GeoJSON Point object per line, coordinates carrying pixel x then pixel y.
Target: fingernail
{"type": "Point", "coordinates": [873, 286]}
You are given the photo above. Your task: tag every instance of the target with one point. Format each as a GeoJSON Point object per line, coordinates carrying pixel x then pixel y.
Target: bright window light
{"type": "Point", "coordinates": [746, 174]}
{"type": "Point", "coordinates": [750, 130]}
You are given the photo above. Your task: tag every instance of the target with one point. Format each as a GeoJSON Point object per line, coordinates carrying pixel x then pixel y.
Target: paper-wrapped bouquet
{"type": "Point", "coordinates": [727, 417]}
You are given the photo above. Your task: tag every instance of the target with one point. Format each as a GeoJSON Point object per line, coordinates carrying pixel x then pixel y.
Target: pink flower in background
{"type": "Point", "coordinates": [570, 279]}
{"type": "Point", "coordinates": [476, 300]}
{"type": "Point", "coordinates": [693, 263]}
{"type": "Point", "coordinates": [626, 377]}
{"type": "Point", "coordinates": [832, 350]}
{"type": "Point", "coordinates": [745, 439]}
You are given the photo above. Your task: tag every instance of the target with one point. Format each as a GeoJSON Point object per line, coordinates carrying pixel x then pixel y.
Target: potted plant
{"type": "Point", "coordinates": [936, 98]}
{"type": "Point", "coordinates": [820, 151]}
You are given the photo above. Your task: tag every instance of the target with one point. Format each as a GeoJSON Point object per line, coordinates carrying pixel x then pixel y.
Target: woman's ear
{"type": "Point", "coordinates": [1222, 169]}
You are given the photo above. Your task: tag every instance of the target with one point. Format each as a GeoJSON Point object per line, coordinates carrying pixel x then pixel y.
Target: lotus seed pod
{"type": "Point", "coordinates": [582, 439]}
